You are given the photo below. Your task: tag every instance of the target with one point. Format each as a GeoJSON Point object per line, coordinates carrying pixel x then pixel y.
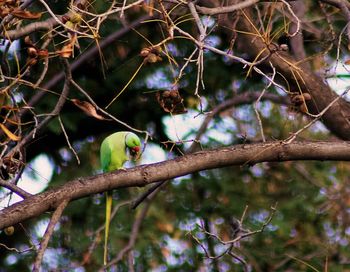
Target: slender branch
{"type": "Point", "coordinates": [14, 188]}
{"type": "Point", "coordinates": [54, 112]}
{"type": "Point", "coordinates": [48, 233]}
{"type": "Point", "coordinates": [88, 55]}
{"type": "Point", "coordinates": [247, 155]}
{"type": "Point", "coordinates": [133, 236]}
{"type": "Point", "coordinates": [226, 9]}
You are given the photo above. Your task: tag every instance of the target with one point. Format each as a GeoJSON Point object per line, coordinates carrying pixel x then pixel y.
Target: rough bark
{"type": "Point", "coordinates": [251, 154]}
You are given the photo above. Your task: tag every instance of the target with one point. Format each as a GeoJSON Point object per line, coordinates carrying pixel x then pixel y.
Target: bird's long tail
{"type": "Point", "coordinates": [109, 199]}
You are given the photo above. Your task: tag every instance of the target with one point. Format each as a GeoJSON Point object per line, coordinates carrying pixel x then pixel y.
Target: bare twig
{"type": "Point", "coordinates": [14, 188]}
{"type": "Point", "coordinates": [48, 233]}
{"type": "Point", "coordinates": [226, 9]}
{"type": "Point", "coordinates": [53, 113]}
{"type": "Point", "coordinates": [67, 139]}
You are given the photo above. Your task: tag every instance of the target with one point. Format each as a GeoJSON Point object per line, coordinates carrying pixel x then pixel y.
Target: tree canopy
{"type": "Point", "coordinates": [242, 107]}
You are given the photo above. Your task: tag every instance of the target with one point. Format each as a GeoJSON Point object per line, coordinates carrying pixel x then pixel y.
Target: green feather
{"type": "Point", "coordinates": [113, 155]}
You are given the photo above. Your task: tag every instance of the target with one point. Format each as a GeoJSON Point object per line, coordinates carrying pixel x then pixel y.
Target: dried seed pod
{"type": "Point", "coordinates": [80, 6]}
{"type": "Point", "coordinates": [9, 230]}
{"type": "Point", "coordinates": [32, 61]}
{"type": "Point", "coordinates": [28, 41]}
{"type": "Point", "coordinates": [144, 52]}
{"type": "Point", "coordinates": [166, 93]}
{"type": "Point", "coordinates": [76, 18]}
{"type": "Point", "coordinates": [156, 50]}
{"type": "Point", "coordinates": [307, 96]}
{"type": "Point", "coordinates": [65, 19]}
{"type": "Point", "coordinates": [297, 100]}
{"type": "Point", "coordinates": [303, 108]}
{"type": "Point", "coordinates": [151, 58]}
{"type": "Point", "coordinates": [32, 52]}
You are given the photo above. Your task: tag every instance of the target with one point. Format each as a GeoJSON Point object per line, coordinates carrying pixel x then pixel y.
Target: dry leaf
{"type": "Point", "coordinates": [88, 108]}
{"type": "Point", "coordinates": [9, 134]}
{"type": "Point", "coordinates": [67, 49]}
{"type": "Point", "coordinates": [151, 54]}
{"type": "Point", "coordinates": [24, 14]}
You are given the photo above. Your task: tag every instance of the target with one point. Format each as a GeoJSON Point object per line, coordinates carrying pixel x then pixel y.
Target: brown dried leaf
{"type": "Point", "coordinates": [88, 108]}
{"type": "Point", "coordinates": [9, 134]}
{"type": "Point", "coordinates": [24, 14]}
{"type": "Point", "coordinates": [66, 51]}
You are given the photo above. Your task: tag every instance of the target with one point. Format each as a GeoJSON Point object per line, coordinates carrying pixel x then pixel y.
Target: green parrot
{"type": "Point", "coordinates": [113, 155]}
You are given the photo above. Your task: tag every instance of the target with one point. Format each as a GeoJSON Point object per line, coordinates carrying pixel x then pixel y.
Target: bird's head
{"type": "Point", "coordinates": [133, 143]}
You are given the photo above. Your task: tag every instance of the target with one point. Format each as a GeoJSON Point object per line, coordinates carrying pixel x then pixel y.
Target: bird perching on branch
{"type": "Point", "coordinates": [115, 150]}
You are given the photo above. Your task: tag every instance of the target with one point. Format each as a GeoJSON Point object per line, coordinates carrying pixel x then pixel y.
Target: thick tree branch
{"type": "Point", "coordinates": [302, 79]}
{"type": "Point", "coordinates": [145, 174]}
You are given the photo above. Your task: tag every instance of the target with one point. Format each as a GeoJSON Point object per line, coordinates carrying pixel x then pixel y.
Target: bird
{"type": "Point", "coordinates": [115, 150]}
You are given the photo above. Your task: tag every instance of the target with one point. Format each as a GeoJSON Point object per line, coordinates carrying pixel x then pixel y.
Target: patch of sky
{"type": "Point", "coordinates": [208, 21]}
{"type": "Point", "coordinates": [65, 154]}
{"type": "Point", "coordinates": [332, 234]}
{"type": "Point", "coordinates": [189, 224]}
{"type": "Point", "coordinates": [11, 259]}
{"type": "Point", "coordinates": [176, 249]}
{"type": "Point", "coordinates": [40, 228]}
{"type": "Point", "coordinates": [260, 216]}
{"type": "Point", "coordinates": [185, 126]}
{"type": "Point", "coordinates": [53, 259]}
{"type": "Point", "coordinates": [158, 80]}
{"type": "Point", "coordinates": [339, 78]}
{"type": "Point", "coordinates": [161, 268]}
{"type": "Point", "coordinates": [178, 126]}
{"type": "Point", "coordinates": [34, 179]}
{"type": "Point", "coordinates": [265, 108]}
{"type": "Point", "coordinates": [220, 249]}
{"type": "Point", "coordinates": [178, 180]}
{"type": "Point", "coordinates": [219, 221]}
{"type": "Point", "coordinates": [221, 95]}
{"type": "Point", "coordinates": [173, 50]}
{"type": "Point", "coordinates": [12, 49]}
{"type": "Point", "coordinates": [323, 192]}
{"type": "Point", "coordinates": [257, 170]}
{"type": "Point", "coordinates": [223, 266]}
{"type": "Point", "coordinates": [154, 153]}
{"type": "Point", "coordinates": [213, 41]}
{"type": "Point", "coordinates": [18, 97]}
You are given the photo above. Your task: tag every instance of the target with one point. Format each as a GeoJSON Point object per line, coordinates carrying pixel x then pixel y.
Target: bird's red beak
{"type": "Point", "coordinates": [135, 153]}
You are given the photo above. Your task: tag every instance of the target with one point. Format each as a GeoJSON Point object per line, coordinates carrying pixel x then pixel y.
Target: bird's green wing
{"type": "Point", "coordinates": [105, 155]}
